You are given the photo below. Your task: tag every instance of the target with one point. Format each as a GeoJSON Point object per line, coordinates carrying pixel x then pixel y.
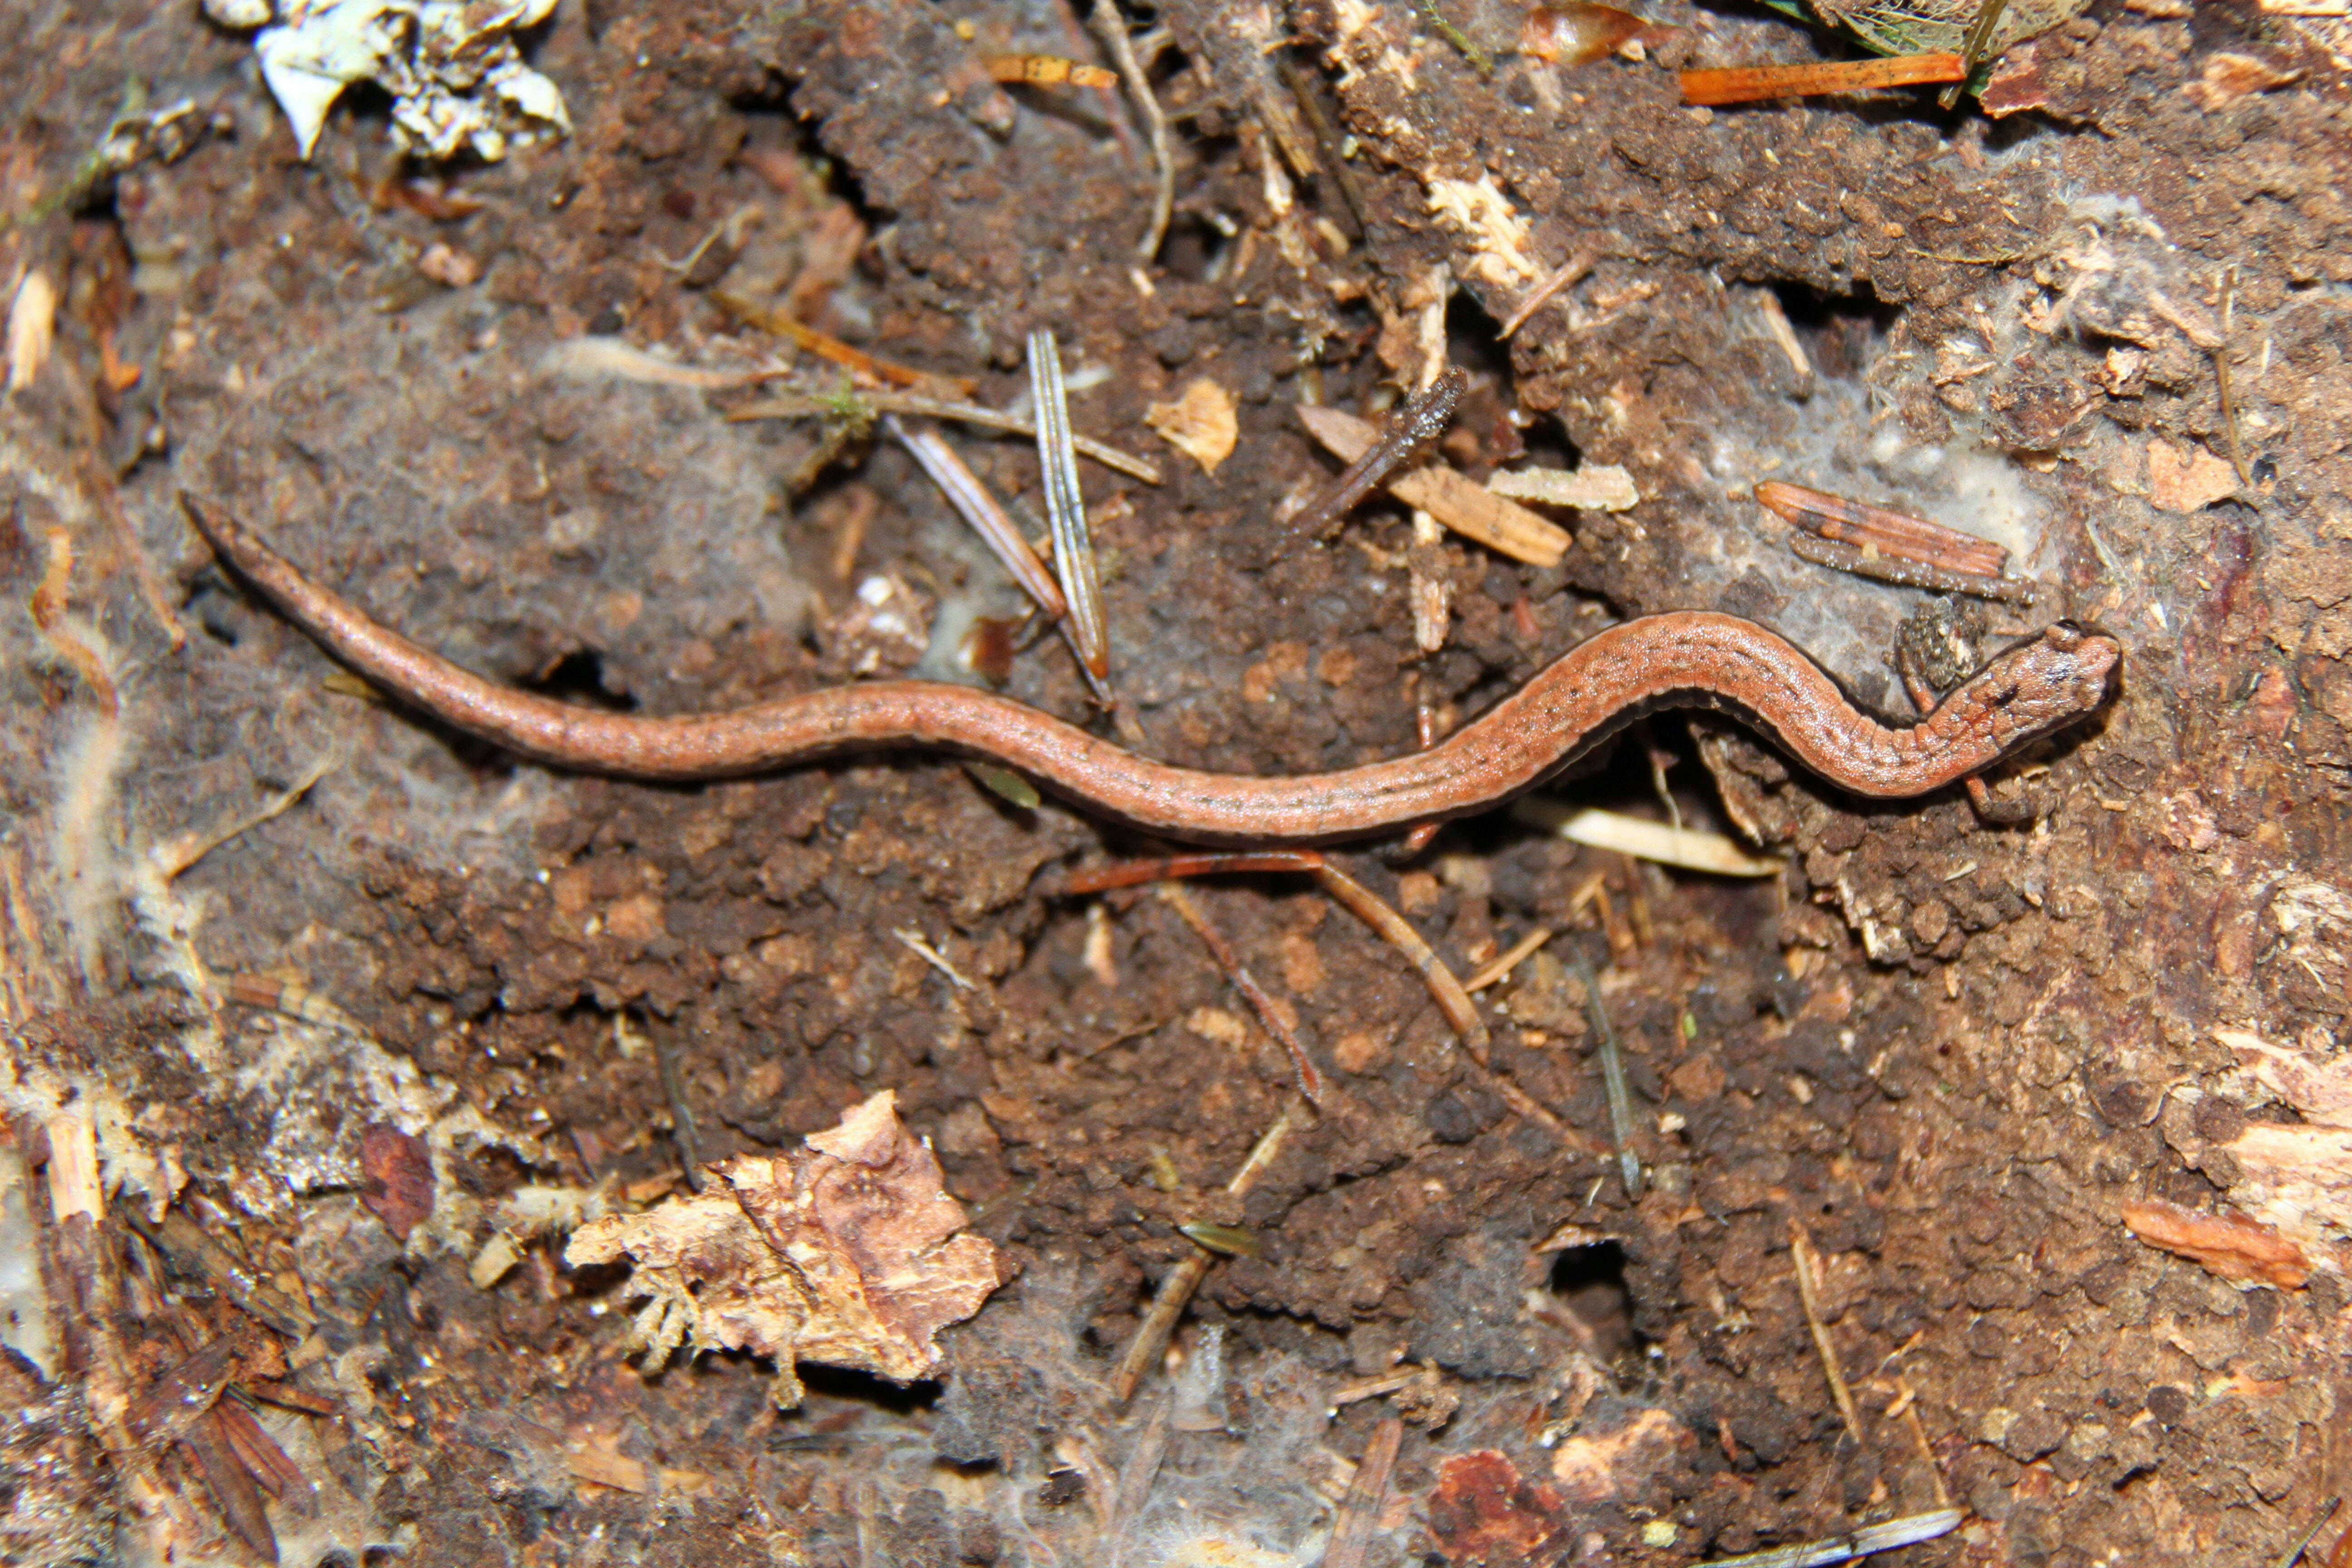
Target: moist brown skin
{"type": "Point", "coordinates": [1687, 658]}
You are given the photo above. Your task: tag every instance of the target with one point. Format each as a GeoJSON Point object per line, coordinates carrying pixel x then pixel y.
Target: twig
{"type": "Point", "coordinates": [1455, 499]}
{"type": "Point", "coordinates": [681, 1115]}
{"type": "Point", "coordinates": [1896, 533]}
{"type": "Point", "coordinates": [1421, 420]}
{"type": "Point", "coordinates": [1808, 1263]}
{"type": "Point", "coordinates": [1327, 141]}
{"type": "Point", "coordinates": [1109, 25]}
{"type": "Point", "coordinates": [1975, 46]}
{"type": "Point", "coordinates": [1571, 273]}
{"type": "Point", "coordinates": [800, 406]}
{"type": "Point", "coordinates": [1691, 848]}
{"type": "Point", "coordinates": [1176, 1287]}
{"type": "Point", "coordinates": [1066, 511]}
{"type": "Point", "coordinates": [1310, 1081]}
{"type": "Point", "coordinates": [931, 955]}
{"type": "Point", "coordinates": [2222, 380]}
{"type": "Point", "coordinates": [776, 323]}
{"type": "Point", "coordinates": [1907, 573]}
{"type": "Point", "coordinates": [1613, 1080]}
{"type": "Point", "coordinates": [1495, 968]}
{"type": "Point", "coordinates": [1360, 1509]}
{"type": "Point", "coordinates": [1451, 999]}
{"type": "Point", "coordinates": [1909, 1530]}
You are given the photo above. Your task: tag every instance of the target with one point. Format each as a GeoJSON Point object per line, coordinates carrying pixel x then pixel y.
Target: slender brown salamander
{"type": "Point", "coordinates": [1687, 659]}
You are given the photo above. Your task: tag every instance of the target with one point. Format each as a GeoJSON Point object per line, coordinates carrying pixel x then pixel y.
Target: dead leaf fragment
{"type": "Point", "coordinates": [2228, 1244]}
{"type": "Point", "coordinates": [2187, 479]}
{"type": "Point", "coordinates": [844, 1253]}
{"type": "Point", "coordinates": [1199, 423]}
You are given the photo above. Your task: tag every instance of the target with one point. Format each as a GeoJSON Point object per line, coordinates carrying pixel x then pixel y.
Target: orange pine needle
{"type": "Point", "coordinates": [1747, 84]}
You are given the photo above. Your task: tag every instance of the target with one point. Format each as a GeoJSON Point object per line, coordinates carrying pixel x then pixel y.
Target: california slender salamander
{"type": "Point", "coordinates": [1687, 659]}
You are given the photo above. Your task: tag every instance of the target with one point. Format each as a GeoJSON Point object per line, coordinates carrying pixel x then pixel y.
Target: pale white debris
{"type": "Point", "coordinates": [456, 78]}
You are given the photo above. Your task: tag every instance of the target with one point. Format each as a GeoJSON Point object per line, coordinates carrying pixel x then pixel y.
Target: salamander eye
{"type": "Point", "coordinates": [2063, 635]}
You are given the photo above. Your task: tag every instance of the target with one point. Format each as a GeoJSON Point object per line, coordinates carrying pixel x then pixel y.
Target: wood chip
{"type": "Point", "coordinates": [1596, 487]}
{"type": "Point", "coordinates": [1454, 498]}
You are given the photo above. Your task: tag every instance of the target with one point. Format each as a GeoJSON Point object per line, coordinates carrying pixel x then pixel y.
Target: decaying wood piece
{"type": "Point", "coordinates": [845, 1252]}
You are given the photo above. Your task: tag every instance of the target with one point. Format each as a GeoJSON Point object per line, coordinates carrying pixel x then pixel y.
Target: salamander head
{"type": "Point", "coordinates": [2042, 684]}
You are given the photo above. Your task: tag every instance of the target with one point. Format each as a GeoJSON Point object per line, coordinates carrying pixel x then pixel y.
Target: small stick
{"type": "Point", "coordinates": [291, 999]}
{"type": "Point", "coordinates": [799, 405]}
{"type": "Point", "coordinates": [1421, 420]}
{"type": "Point", "coordinates": [1495, 968]}
{"type": "Point", "coordinates": [1368, 1492]}
{"type": "Point", "coordinates": [1176, 1289]}
{"type": "Point", "coordinates": [1460, 1012]}
{"type": "Point", "coordinates": [1927, 1450]}
{"type": "Point", "coordinates": [1310, 1081]}
{"type": "Point", "coordinates": [1889, 532]}
{"type": "Point", "coordinates": [914, 941]}
{"type": "Point", "coordinates": [1866, 562]}
{"type": "Point", "coordinates": [1452, 1000]}
{"type": "Point", "coordinates": [1571, 273]}
{"type": "Point", "coordinates": [979, 507]}
{"type": "Point", "coordinates": [1459, 502]}
{"type": "Point", "coordinates": [1066, 511]}
{"type": "Point", "coordinates": [1109, 25]}
{"type": "Point", "coordinates": [1808, 1263]}
{"type": "Point", "coordinates": [1319, 125]}
{"type": "Point", "coordinates": [2222, 380]}
{"type": "Point", "coordinates": [681, 1115]}
{"type": "Point", "coordinates": [1974, 48]}
{"type": "Point", "coordinates": [1613, 1080]}
{"type": "Point", "coordinates": [776, 323]}
{"type": "Point", "coordinates": [1746, 84]}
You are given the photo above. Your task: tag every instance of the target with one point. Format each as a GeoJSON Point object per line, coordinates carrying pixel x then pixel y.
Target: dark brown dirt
{"type": "Point", "coordinates": [1947, 1052]}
